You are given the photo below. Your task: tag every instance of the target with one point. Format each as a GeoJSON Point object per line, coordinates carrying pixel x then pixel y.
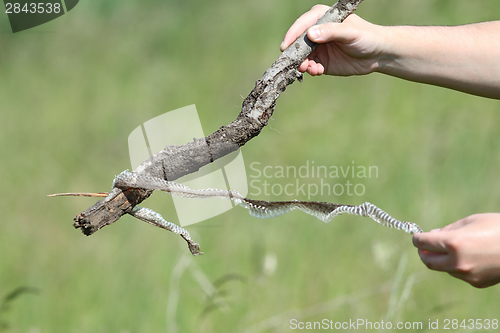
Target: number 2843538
{"type": "Point", "coordinates": [32, 8]}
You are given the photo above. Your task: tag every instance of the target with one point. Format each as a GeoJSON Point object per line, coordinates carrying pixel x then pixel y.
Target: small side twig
{"type": "Point", "coordinates": [96, 195]}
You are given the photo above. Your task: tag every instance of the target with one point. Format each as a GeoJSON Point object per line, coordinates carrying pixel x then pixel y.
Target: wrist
{"type": "Point", "coordinates": [390, 54]}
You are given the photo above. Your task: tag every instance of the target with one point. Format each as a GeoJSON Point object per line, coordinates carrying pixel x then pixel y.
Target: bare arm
{"type": "Point", "coordinates": [463, 58]}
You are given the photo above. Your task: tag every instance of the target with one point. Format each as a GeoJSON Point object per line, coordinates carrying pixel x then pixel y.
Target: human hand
{"type": "Point", "coordinates": [349, 48]}
{"type": "Point", "coordinates": [468, 249]}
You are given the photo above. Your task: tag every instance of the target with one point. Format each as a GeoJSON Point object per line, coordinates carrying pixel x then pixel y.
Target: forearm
{"type": "Point", "coordinates": [464, 58]}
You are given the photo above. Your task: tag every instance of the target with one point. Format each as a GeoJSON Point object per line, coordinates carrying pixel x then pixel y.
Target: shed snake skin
{"type": "Point", "coordinates": [324, 211]}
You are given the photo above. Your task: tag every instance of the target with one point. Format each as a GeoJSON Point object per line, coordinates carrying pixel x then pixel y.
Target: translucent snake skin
{"type": "Point", "coordinates": [324, 211]}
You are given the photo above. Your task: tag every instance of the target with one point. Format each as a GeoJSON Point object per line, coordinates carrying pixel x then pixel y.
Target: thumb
{"type": "Point", "coordinates": [434, 241]}
{"type": "Point", "coordinates": [330, 32]}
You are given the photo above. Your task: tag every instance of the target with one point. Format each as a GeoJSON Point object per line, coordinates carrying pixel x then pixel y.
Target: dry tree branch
{"type": "Point", "coordinates": [176, 161]}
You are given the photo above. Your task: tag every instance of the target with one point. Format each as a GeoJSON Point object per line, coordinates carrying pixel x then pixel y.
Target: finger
{"type": "Point", "coordinates": [301, 24]}
{"type": "Point", "coordinates": [315, 68]}
{"type": "Point", "coordinates": [431, 241]}
{"type": "Point", "coordinates": [435, 260]}
{"type": "Point", "coordinates": [303, 66]}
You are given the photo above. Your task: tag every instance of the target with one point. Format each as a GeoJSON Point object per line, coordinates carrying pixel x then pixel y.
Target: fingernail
{"type": "Point", "coordinates": [282, 45]}
{"type": "Point", "coordinates": [314, 33]}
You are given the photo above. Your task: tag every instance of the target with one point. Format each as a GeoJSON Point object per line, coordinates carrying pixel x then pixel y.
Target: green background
{"type": "Point", "coordinates": [73, 89]}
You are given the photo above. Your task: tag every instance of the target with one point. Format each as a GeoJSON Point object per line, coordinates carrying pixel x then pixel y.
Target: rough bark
{"type": "Point", "coordinates": [176, 161]}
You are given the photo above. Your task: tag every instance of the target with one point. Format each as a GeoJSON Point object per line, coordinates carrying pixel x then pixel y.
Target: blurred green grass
{"type": "Point", "coordinates": [73, 89]}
